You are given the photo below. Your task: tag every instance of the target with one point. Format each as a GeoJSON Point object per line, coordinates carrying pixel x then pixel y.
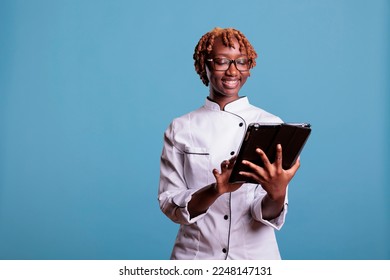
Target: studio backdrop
{"type": "Point", "coordinates": [87, 89]}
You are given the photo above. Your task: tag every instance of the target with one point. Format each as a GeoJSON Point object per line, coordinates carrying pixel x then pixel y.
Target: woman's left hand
{"type": "Point", "coordinates": [272, 177]}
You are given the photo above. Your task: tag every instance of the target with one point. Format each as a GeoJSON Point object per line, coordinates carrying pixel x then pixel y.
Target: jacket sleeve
{"type": "Point", "coordinates": [173, 193]}
{"type": "Point", "coordinates": [257, 212]}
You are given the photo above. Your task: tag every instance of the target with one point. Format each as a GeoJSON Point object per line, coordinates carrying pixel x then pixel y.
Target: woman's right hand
{"type": "Point", "coordinates": [205, 197]}
{"type": "Point", "coordinates": [222, 184]}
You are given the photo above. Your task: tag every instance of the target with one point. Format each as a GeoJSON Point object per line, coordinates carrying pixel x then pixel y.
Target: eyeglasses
{"type": "Point", "coordinates": [223, 64]}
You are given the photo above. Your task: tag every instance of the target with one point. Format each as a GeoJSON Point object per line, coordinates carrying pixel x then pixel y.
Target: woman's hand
{"type": "Point", "coordinates": [272, 177]}
{"type": "Point", "coordinates": [205, 197]}
{"type": "Point", "coordinates": [274, 180]}
{"type": "Point", "coordinates": [222, 184]}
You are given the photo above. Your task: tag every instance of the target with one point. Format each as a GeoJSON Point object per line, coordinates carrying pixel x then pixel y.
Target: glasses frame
{"type": "Point", "coordinates": [230, 63]}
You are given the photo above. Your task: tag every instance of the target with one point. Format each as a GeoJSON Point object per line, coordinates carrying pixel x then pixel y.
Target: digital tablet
{"type": "Point", "coordinates": [292, 137]}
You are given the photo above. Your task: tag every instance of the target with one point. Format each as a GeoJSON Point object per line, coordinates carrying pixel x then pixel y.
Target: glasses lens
{"type": "Point", "coordinates": [242, 64]}
{"type": "Point", "coordinates": [221, 64]}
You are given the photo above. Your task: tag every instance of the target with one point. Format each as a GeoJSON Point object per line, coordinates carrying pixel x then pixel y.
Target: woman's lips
{"type": "Point", "coordinates": [230, 83]}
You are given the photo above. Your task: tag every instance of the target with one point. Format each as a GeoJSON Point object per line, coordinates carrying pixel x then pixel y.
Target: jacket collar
{"type": "Point", "coordinates": [234, 106]}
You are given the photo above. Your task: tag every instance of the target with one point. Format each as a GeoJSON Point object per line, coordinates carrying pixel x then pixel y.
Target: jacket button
{"type": "Point", "coordinates": [224, 250]}
{"type": "Point", "coordinates": [232, 153]}
{"type": "Point", "coordinates": [226, 217]}
{"type": "Point", "coordinates": [241, 124]}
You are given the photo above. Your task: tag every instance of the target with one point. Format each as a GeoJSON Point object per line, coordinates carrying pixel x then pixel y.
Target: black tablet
{"type": "Point", "coordinates": [292, 137]}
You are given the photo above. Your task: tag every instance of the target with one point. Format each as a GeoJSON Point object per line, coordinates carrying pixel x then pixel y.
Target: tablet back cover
{"type": "Point", "coordinates": [292, 137]}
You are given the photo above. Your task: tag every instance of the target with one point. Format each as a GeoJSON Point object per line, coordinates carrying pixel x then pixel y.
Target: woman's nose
{"type": "Point", "coordinates": [232, 70]}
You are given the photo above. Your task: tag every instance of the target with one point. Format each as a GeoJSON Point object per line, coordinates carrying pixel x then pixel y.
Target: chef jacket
{"type": "Point", "coordinates": [232, 227]}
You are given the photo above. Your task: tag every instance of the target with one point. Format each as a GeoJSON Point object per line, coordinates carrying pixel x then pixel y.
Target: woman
{"type": "Point", "coordinates": [219, 220]}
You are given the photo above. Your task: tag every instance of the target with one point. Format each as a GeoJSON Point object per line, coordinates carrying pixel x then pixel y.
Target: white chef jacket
{"type": "Point", "coordinates": [232, 227]}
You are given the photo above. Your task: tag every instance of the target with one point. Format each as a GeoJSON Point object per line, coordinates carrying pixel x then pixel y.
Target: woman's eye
{"type": "Point", "coordinates": [221, 61]}
{"type": "Point", "coordinates": [242, 61]}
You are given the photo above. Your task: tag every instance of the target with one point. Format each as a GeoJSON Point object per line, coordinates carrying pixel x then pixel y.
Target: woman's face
{"type": "Point", "coordinates": [225, 85]}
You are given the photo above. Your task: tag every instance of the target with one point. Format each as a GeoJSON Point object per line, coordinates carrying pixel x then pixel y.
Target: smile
{"type": "Point", "coordinates": [230, 83]}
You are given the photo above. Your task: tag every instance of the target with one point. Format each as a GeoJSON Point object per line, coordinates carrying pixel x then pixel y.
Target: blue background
{"type": "Point", "coordinates": [87, 89]}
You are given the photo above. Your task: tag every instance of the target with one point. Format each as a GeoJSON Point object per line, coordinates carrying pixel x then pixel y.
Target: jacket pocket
{"type": "Point", "coordinates": [196, 150]}
{"type": "Point", "coordinates": [197, 168]}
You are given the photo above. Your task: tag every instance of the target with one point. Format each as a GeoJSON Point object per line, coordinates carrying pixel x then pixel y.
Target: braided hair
{"type": "Point", "coordinates": [205, 46]}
